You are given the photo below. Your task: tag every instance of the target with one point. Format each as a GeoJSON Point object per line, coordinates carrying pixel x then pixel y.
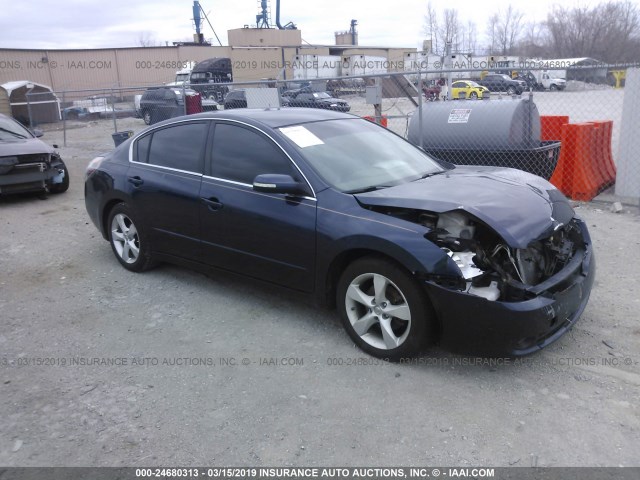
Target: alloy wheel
{"type": "Point", "coordinates": [378, 311]}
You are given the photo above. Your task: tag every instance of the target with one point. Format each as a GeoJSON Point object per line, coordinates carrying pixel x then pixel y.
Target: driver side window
{"type": "Point", "coordinates": [241, 154]}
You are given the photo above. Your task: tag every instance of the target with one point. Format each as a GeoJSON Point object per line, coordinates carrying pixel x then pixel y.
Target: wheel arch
{"type": "Point", "coordinates": [104, 215]}
{"type": "Point", "coordinates": [329, 278]}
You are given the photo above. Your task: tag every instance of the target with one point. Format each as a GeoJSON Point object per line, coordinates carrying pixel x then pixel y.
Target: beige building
{"type": "Point", "coordinates": [255, 54]}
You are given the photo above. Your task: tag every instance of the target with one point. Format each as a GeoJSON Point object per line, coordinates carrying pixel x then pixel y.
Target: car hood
{"type": "Point", "coordinates": [26, 146]}
{"type": "Point", "coordinates": [519, 206]}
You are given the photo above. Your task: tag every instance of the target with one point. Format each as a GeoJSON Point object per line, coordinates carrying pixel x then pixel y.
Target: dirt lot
{"type": "Point", "coordinates": [99, 366]}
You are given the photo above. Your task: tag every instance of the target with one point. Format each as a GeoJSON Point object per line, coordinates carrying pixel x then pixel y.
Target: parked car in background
{"type": "Point", "coordinates": [433, 89]}
{"type": "Point", "coordinates": [319, 100]}
{"type": "Point", "coordinates": [235, 99]}
{"type": "Point", "coordinates": [499, 82]}
{"type": "Point", "coordinates": [161, 103]}
{"type": "Point", "coordinates": [468, 89]}
{"type": "Point", "coordinates": [410, 250]}
{"type": "Point", "coordinates": [238, 99]}
{"type": "Point", "coordinates": [27, 164]}
{"type": "Point", "coordinates": [547, 82]}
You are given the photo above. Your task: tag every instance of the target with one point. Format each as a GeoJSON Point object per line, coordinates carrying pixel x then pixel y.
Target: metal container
{"type": "Point", "coordinates": [499, 132]}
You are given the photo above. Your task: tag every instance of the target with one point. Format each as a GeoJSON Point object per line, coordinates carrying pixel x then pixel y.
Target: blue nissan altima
{"type": "Point", "coordinates": [411, 251]}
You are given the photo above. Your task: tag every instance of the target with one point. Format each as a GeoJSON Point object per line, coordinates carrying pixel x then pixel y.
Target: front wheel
{"type": "Point", "coordinates": [383, 309]}
{"type": "Point", "coordinates": [128, 242]}
{"type": "Point", "coordinates": [511, 91]}
{"type": "Point", "coordinates": [553, 87]}
{"type": "Point", "coordinates": [473, 95]}
{"type": "Point", "coordinates": [146, 116]}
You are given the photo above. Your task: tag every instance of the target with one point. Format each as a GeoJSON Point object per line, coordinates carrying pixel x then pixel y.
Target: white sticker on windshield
{"type": "Point", "coordinates": [301, 136]}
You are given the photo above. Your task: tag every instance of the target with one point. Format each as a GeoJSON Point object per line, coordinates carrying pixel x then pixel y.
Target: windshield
{"type": "Point", "coordinates": [321, 95]}
{"type": "Point", "coordinates": [355, 155]}
{"type": "Point", "coordinates": [12, 130]}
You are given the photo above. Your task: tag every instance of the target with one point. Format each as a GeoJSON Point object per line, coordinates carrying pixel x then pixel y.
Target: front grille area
{"type": "Point", "coordinates": [34, 158]}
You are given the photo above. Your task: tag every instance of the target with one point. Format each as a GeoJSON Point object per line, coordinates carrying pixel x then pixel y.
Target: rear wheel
{"type": "Point", "coordinates": [128, 241]}
{"type": "Point", "coordinates": [383, 309]}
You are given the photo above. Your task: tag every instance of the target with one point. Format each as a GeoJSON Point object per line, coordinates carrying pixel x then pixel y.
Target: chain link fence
{"type": "Point", "coordinates": [569, 132]}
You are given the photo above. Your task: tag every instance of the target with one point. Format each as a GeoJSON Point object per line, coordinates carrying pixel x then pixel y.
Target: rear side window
{"type": "Point", "coordinates": [178, 146]}
{"type": "Point", "coordinates": [241, 154]}
{"type": "Point", "coordinates": [142, 149]}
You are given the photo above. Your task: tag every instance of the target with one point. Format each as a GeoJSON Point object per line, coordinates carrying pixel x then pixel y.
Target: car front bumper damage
{"type": "Point", "coordinates": [472, 324]}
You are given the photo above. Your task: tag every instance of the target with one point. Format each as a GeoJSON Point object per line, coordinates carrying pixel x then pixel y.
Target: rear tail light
{"type": "Point", "coordinates": [93, 166]}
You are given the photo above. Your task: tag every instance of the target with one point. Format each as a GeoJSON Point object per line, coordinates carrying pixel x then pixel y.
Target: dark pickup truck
{"type": "Point", "coordinates": [497, 82]}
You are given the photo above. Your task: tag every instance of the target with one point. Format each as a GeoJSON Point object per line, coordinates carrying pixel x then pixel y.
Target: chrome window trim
{"type": "Point", "coordinates": [153, 129]}
{"type": "Point", "coordinates": [170, 169]}
{"type": "Point", "coordinates": [217, 119]}
{"type": "Point", "coordinates": [274, 141]}
{"type": "Point", "coordinates": [248, 185]}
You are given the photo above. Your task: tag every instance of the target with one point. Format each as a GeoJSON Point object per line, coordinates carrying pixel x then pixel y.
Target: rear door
{"type": "Point", "coordinates": [267, 236]}
{"type": "Point", "coordinates": [164, 179]}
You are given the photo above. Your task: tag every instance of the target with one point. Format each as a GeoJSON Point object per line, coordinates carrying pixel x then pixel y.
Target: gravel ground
{"type": "Point", "coordinates": [102, 367]}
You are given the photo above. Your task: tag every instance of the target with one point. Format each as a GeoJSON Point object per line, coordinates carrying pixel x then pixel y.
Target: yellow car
{"type": "Point", "coordinates": [468, 89]}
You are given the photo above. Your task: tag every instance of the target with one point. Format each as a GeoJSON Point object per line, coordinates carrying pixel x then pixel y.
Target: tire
{"type": "Point", "coordinates": [146, 116]}
{"type": "Point", "coordinates": [473, 95]}
{"type": "Point", "coordinates": [511, 91]}
{"type": "Point", "coordinates": [367, 289]}
{"type": "Point", "coordinates": [64, 186]}
{"type": "Point", "coordinates": [553, 87]}
{"type": "Point", "coordinates": [128, 241]}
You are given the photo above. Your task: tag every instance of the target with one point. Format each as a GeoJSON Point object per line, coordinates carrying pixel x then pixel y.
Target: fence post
{"type": "Point", "coordinates": [113, 112]}
{"type": "Point", "coordinates": [377, 108]}
{"type": "Point", "coordinates": [184, 99]}
{"type": "Point", "coordinates": [30, 87]}
{"type": "Point", "coordinates": [628, 168]}
{"type": "Point", "coordinates": [64, 122]}
{"type": "Point", "coordinates": [448, 65]}
{"type": "Point", "coordinates": [420, 139]}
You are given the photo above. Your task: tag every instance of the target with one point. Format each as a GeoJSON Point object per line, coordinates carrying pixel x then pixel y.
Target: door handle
{"type": "Point", "coordinates": [212, 203]}
{"type": "Point", "coordinates": [136, 181]}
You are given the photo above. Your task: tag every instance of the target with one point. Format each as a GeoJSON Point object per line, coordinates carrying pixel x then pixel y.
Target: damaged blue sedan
{"type": "Point", "coordinates": [410, 250]}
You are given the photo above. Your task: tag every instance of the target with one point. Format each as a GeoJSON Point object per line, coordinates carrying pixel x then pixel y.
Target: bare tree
{"type": "Point", "coordinates": [450, 28]}
{"type": "Point", "coordinates": [492, 32]}
{"type": "Point", "coordinates": [146, 39]}
{"type": "Point", "coordinates": [534, 42]}
{"type": "Point", "coordinates": [431, 27]}
{"type": "Point", "coordinates": [443, 30]}
{"type": "Point", "coordinates": [471, 37]}
{"type": "Point", "coordinates": [609, 31]}
{"type": "Point", "coordinates": [508, 29]}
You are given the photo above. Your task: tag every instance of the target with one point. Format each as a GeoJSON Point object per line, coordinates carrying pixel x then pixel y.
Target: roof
{"type": "Point", "coordinates": [216, 63]}
{"type": "Point", "coordinates": [274, 118]}
{"type": "Point", "coordinates": [11, 86]}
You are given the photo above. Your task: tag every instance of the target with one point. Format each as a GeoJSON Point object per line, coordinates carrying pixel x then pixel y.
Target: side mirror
{"type": "Point", "coordinates": [274, 183]}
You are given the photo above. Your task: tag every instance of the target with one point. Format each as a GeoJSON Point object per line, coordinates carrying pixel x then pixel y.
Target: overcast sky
{"type": "Point", "coordinates": [121, 23]}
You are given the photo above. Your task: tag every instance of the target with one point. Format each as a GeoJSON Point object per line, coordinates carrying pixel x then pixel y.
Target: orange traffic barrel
{"type": "Point", "coordinates": [551, 126]}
